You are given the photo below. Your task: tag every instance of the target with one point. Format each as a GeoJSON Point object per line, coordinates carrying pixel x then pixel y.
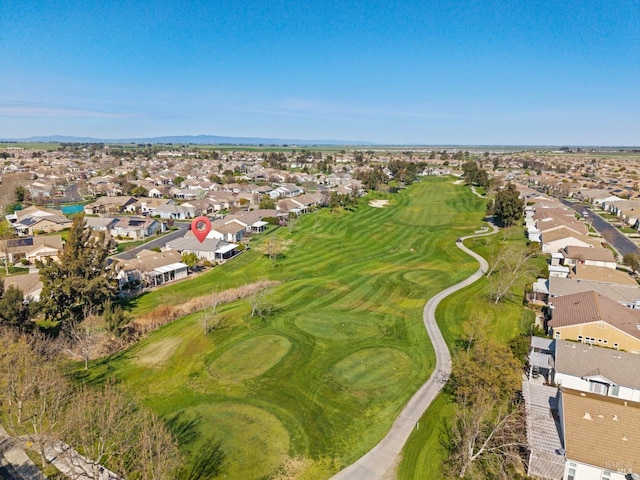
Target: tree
{"type": "Point", "coordinates": [632, 260]}
{"type": "Point", "coordinates": [115, 318]}
{"type": "Point", "coordinates": [6, 233]}
{"type": "Point", "coordinates": [508, 206]}
{"type": "Point", "coordinates": [14, 313]}
{"type": "Point", "coordinates": [86, 338]}
{"type": "Point", "coordinates": [81, 281]}
{"type": "Point", "coordinates": [486, 433]}
{"type": "Point", "coordinates": [474, 175]}
{"type": "Point", "coordinates": [267, 203]}
{"type": "Point", "coordinates": [507, 267]}
{"type": "Point", "coordinates": [190, 259]}
{"type": "Point", "coordinates": [113, 431]}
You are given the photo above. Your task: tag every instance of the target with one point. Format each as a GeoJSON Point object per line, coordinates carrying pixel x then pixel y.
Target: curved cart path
{"type": "Point", "coordinates": [380, 462]}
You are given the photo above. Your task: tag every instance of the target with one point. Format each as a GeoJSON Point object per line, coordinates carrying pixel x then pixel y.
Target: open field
{"type": "Point", "coordinates": [325, 374]}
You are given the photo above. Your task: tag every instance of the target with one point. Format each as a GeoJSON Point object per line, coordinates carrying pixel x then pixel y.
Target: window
{"type": "Point", "coordinates": [599, 340]}
{"type": "Point", "coordinates": [615, 345]}
{"type": "Point", "coordinates": [571, 474]}
{"type": "Point", "coordinates": [605, 341]}
{"type": "Point", "coordinates": [556, 335]}
{"type": "Point", "coordinates": [606, 475]}
{"type": "Point", "coordinates": [580, 338]}
{"type": "Point", "coordinates": [615, 390]}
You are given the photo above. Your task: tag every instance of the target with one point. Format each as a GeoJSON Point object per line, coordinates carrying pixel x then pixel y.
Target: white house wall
{"type": "Point", "coordinates": [577, 383]}
{"type": "Point", "coordinates": [589, 472]}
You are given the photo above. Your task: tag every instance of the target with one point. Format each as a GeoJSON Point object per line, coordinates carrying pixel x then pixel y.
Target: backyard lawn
{"type": "Point", "coordinates": [323, 376]}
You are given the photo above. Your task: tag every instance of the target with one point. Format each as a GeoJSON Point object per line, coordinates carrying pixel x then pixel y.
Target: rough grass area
{"type": "Point", "coordinates": [317, 382]}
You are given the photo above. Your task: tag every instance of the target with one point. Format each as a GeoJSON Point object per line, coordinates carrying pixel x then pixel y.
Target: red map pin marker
{"type": "Point", "coordinates": [201, 226]}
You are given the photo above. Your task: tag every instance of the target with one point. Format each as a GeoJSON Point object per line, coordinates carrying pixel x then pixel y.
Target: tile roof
{"type": "Point", "coordinates": [589, 307]}
{"type": "Point", "coordinates": [621, 293]}
{"type": "Point", "coordinates": [601, 431]}
{"type": "Point", "coordinates": [602, 274]}
{"type": "Point", "coordinates": [597, 254]}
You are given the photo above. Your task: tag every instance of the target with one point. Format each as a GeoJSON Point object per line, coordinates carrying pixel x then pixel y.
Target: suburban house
{"type": "Point", "coordinates": [30, 284]}
{"type": "Point", "coordinates": [590, 317]}
{"type": "Point", "coordinates": [106, 205]}
{"type": "Point", "coordinates": [557, 239]}
{"type": "Point", "coordinates": [627, 293]}
{"type": "Point", "coordinates": [211, 249]}
{"type": "Point", "coordinates": [151, 268]}
{"type": "Point", "coordinates": [149, 205]}
{"type": "Point", "coordinates": [35, 219]}
{"type": "Point", "coordinates": [596, 257]}
{"type": "Point", "coordinates": [137, 228]}
{"type": "Point", "coordinates": [100, 224]}
{"type": "Point", "coordinates": [231, 232]}
{"type": "Point", "coordinates": [602, 274]}
{"type": "Point", "coordinates": [598, 370]}
{"type": "Point", "coordinates": [175, 212]}
{"type": "Point", "coordinates": [31, 248]}
{"type": "Point", "coordinates": [251, 220]}
{"type": "Point", "coordinates": [600, 435]}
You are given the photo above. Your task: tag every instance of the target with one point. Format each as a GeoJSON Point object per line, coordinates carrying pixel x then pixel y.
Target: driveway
{"type": "Point", "coordinates": [380, 462]}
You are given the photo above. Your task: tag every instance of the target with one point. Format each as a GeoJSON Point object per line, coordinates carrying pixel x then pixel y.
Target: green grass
{"type": "Point", "coordinates": [124, 246]}
{"type": "Point", "coordinates": [324, 376]}
{"type": "Point", "coordinates": [424, 453]}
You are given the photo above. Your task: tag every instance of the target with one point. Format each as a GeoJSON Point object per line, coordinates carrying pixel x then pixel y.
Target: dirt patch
{"type": "Point", "coordinates": [158, 353]}
{"type": "Point", "coordinates": [378, 203]}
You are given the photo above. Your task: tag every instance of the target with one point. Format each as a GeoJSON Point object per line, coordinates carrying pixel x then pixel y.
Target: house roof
{"type": "Point", "coordinates": [597, 254]}
{"type": "Point", "coordinates": [602, 274]}
{"type": "Point", "coordinates": [190, 243]}
{"type": "Point", "coordinates": [564, 232]}
{"type": "Point", "coordinates": [621, 293]}
{"type": "Point", "coordinates": [601, 431]}
{"type": "Point", "coordinates": [589, 307]}
{"type": "Point", "coordinates": [29, 283]}
{"type": "Point", "coordinates": [146, 261]}
{"type": "Point", "coordinates": [581, 360]}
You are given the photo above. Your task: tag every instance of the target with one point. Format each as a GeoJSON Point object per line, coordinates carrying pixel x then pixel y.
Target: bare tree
{"type": "Point", "coordinates": [482, 435]}
{"type": "Point", "coordinates": [86, 338]}
{"type": "Point", "coordinates": [510, 265]}
{"type": "Point", "coordinates": [260, 306]}
{"type": "Point", "coordinates": [209, 320]}
{"type": "Point", "coordinates": [487, 431]}
{"type": "Point", "coordinates": [273, 248]}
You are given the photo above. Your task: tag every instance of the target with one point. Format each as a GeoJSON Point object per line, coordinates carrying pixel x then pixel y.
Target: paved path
{"type": "Point", "coordinates": [380, 462]}
{"type": "Point", "coordinates": [14, 463]}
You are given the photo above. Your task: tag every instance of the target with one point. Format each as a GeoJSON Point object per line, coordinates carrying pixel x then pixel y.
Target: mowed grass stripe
{"type": "Point", "coordinates": [352, 287]}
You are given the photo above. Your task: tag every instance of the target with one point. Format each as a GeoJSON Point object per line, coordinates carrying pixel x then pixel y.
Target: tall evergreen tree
{"type": "Point", "coordinates": [81, 281]}
{"type": "Point", "coordinates": [508, 206]}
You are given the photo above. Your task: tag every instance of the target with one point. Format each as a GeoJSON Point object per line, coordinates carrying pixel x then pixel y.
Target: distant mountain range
{"type": "Point", "coordinates": [189, 139]}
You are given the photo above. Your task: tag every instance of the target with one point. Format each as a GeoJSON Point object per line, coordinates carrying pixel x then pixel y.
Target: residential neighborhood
{"type": "Point", "coordinates": [579, 384]}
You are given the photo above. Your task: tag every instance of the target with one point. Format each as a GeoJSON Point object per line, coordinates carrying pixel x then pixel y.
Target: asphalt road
{"type": "Point", "coordinates": [611, 234]}
{"type": "Point", "coordinates": [155, 242]}
{"type": "Point", "coordinates": [381, 461]}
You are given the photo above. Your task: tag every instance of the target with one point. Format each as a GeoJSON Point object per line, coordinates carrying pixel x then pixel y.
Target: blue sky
{"type": "Point", "coordinates": [561, 72]}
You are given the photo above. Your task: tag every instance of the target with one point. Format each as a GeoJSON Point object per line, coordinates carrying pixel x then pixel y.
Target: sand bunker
{"type": "Point", "coordinates": [378, 203]}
